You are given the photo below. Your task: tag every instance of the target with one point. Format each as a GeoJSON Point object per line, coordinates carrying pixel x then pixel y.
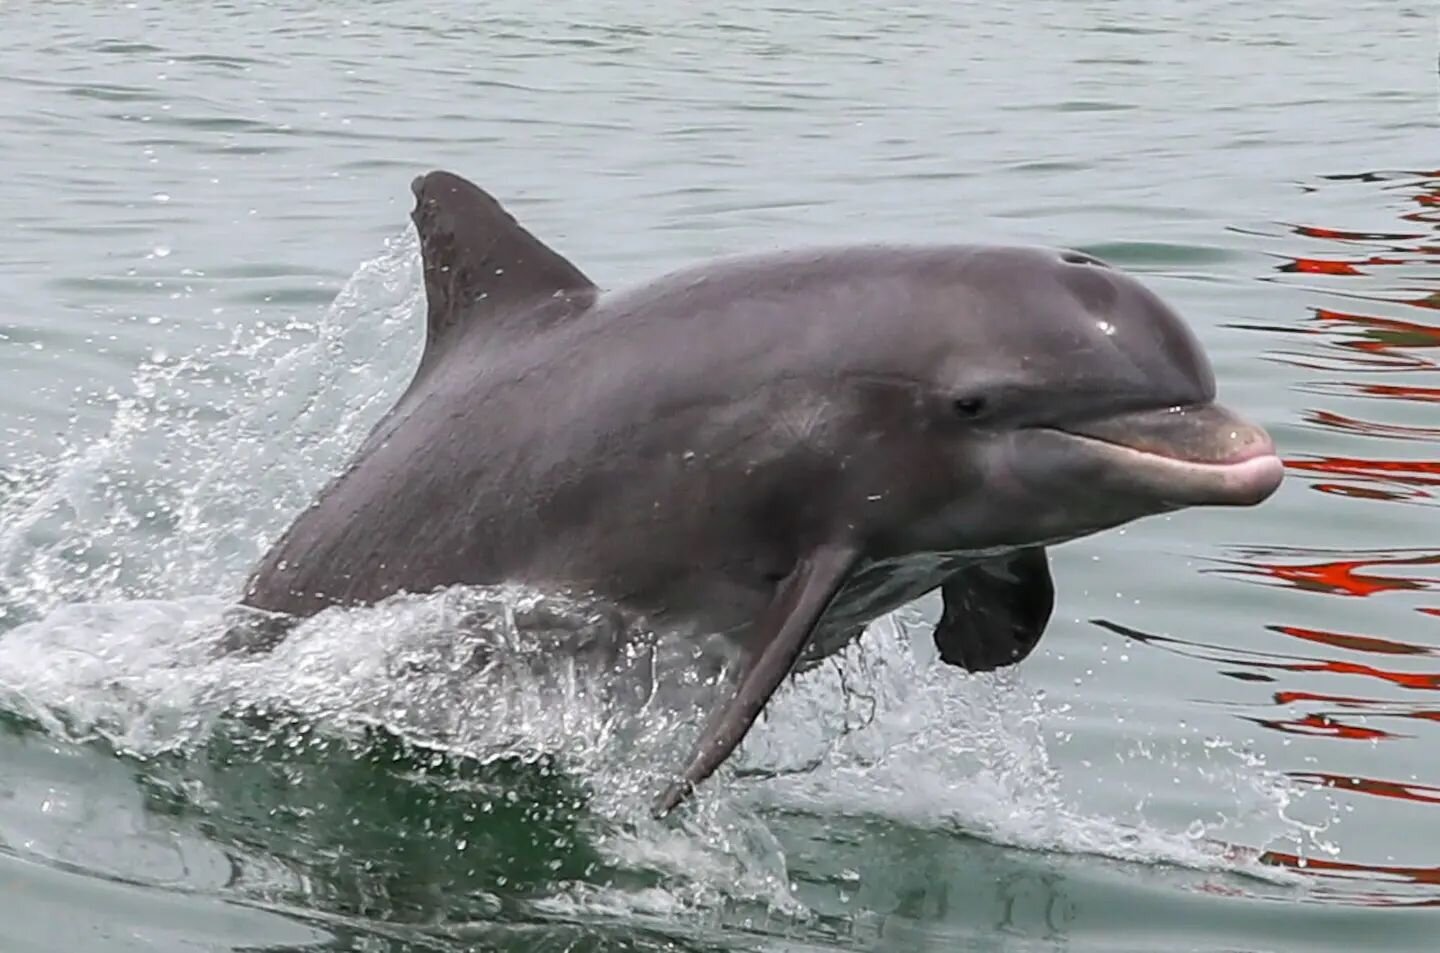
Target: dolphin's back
{"type": "Point", "coordinates": [531, 449]}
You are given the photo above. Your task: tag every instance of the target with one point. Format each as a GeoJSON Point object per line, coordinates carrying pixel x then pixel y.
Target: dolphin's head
{"type": "Point", "coordinates": [1063, 398]}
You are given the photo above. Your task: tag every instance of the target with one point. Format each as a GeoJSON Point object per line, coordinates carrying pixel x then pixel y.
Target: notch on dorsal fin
{"type": "Point", "coordinates": [479, 262]}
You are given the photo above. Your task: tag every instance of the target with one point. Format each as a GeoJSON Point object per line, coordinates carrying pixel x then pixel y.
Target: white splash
{"type": "Point", "coordinates": [212, 453]}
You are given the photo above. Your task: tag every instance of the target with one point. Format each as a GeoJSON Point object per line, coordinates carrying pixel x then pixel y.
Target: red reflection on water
{"type": "Point", "coordinates": [1409, 474]}
{"type": "Point", "coordinates": [1429, 395]}
{"type": "Point", "coordinates": [1427, 218]}
{"type": "Point", "coordinates": [1344, 701]}
{"type": "Point", "coordinates": [1355, 643]}
{"type": "Point", "coordinates": [1372, 362]}
{"type": "Point", "coordinates": [1343, 424]}
{"type": "Point", "coordinates": [1382, 334]}
{"type": "Point", "coordinates": [1378, 343]}
{"type": "Point", "coordinates": [1325, 725]}
{"type": "Point", "coordinates": [1421, 793]}
{"type": "Point", "coordinates": [1373, 707]}
{"type": "Point", "coordinates": [1425, 472]}
{"type": "Point", "coordinates": [1340, 577]}
{"type": "Point", "coordinates": [1415, 680]}
{"type": "Point", "coordinates": [1338, 868]}
{"type": "Point", "coordinates": [1336, 577]}
{"type": "Point", "coordinates": [1360, 348]}
{"type": "Point", "coordinates": [1330, 266]}
{"type": "Point", "coordinates": [1430, 300]}
{"type": "Point", "coordinates": [1373, 875]}
{"type": "Point", "coordinates": [1418, 681]}
{"type": "Point", "coordinates": [1427, 197]}
{"type": "Point", "coordinates": [1336, 234]}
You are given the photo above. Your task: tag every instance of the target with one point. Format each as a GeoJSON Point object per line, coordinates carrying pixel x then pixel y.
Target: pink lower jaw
{"type": "Point", "coordinates": [1252, 479]}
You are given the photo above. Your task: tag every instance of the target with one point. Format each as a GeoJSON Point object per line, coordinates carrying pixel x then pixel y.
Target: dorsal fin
{"type": "Point", "coordinates": [479, 262]}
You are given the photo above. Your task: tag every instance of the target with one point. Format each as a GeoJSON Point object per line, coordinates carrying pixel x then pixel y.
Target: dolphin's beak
{"type": "Point", "coordinates": [1200, 455]}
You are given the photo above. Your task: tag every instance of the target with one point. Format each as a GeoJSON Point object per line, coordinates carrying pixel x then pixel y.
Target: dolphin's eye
{"type": "Point", "coordinates": [969, 408]}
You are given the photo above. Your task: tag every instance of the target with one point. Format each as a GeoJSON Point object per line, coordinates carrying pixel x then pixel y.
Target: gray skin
{"type": "Point", "coordinates": [777, 449]}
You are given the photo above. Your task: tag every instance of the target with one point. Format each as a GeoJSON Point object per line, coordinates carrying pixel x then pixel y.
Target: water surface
{"type": "Point", "coordinates": [208, 291]}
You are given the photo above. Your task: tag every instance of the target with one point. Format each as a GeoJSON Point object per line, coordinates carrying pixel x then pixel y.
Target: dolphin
{"type": "Point", "coordinates": [774, 449]}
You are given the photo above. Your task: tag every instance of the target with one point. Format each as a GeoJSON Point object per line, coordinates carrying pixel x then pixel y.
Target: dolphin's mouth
{"type": "Point", "coordinates": [1193, 455]}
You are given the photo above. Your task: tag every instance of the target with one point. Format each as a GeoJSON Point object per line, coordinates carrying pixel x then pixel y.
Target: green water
{"type": "Point", "coordinates": [208, 291]}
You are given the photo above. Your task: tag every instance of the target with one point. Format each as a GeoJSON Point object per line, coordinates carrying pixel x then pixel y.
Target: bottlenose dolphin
{"type": "Point", "coordinates": [777, 448]}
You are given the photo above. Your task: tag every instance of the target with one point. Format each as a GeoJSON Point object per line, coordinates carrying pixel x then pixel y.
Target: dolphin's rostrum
{"type": "Point", "coordinates": [775, 448]}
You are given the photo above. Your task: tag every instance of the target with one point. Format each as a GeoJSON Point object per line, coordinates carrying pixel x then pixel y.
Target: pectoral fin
{"type": "Point", "coordinates": [781, 636]}
{"type": "Point", "coordinates": [995, 611]}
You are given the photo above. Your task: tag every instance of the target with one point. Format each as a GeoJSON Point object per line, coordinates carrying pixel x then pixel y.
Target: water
{"type": "Point", "coordinates": [208, 291]}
